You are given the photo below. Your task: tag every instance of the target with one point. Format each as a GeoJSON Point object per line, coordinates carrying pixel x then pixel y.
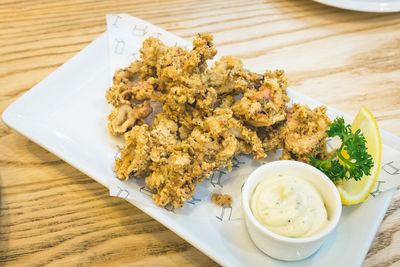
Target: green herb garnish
{"type": "Point", "coordinates": [351, 160]}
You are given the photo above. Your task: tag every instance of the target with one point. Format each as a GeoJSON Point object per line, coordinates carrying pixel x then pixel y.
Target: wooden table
{"type": "Point", "coordinates": [51, 213]}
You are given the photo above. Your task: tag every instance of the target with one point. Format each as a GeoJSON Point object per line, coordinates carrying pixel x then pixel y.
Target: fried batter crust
{"type": "Point", "coordinates": [304, 133]}
{"type": "Point", "coordinates": [221, 200]}
{"type": "Point", "coordinates": [124, 117]}
{"type": "Point", "coordinates": [264, 106]}
{"type": "Point", "coordinates": [209, 116]}
{"type": "Point", "coordinates": [134, 160]}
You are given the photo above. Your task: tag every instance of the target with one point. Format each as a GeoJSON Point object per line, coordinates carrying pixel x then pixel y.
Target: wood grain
{"type": "Point", "coordinates": [50, 213]}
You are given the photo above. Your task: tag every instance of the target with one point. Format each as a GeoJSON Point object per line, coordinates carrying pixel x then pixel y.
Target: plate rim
{"type": "Point", "coordinates": [374, 7]}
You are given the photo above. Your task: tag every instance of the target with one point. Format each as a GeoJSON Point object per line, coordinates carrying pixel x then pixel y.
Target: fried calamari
{"type": "Point", "coordinates": [208, 116]}
{"type": "Point", "coordinates": [304, 133]}
{"type": "Point", "coordinates": [221, 200]}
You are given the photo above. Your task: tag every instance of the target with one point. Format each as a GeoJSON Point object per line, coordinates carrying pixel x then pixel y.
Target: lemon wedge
{"type": "Point", "coordinates": [352, 191]}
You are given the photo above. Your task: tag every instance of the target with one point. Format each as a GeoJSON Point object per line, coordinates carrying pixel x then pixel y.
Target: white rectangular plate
{"type": "Point", "coordinates": [66, 114]}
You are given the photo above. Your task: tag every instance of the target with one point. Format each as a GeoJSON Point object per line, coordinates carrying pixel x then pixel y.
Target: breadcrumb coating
{"type": "Point", "coordinates": [208, 116]}
{"type": "Point", "coordinates": [221, 200]}
{"type": "Point", "coordinates": [304, 133]}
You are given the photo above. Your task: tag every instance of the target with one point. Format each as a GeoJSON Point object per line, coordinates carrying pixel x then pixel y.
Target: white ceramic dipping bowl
{"type": "Point", "coordinates": [287, 248]}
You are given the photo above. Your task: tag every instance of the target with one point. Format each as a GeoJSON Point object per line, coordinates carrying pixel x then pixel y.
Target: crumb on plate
{"type": "Point", "coordinates": [221, 200]}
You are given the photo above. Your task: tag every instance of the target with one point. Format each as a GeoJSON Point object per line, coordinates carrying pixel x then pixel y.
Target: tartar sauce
{"type": "Point", "coordinates": [289, 206]}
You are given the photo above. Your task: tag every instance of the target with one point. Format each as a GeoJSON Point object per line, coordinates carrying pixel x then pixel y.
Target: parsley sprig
{"type": "Point", "coordinates": [352, 164]}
